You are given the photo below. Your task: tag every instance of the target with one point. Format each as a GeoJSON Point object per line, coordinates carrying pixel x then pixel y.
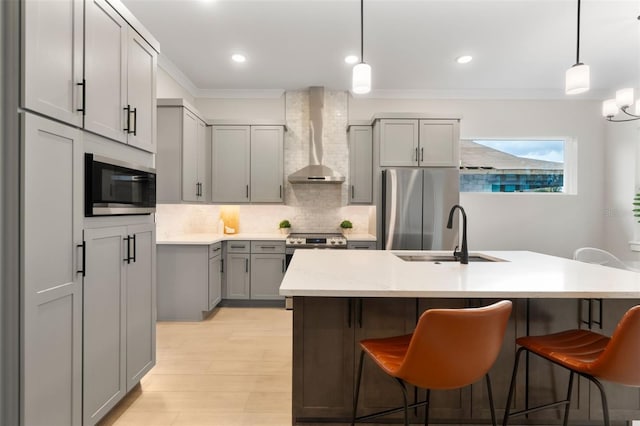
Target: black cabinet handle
{"type": "Point", "coordinates": [421, 154]}
{"type": "Point", "coordinates": [353, 194]}
{"type": "Point", "coordinates": [349, 312]}
{"type": "Point", "coordinates": [222, 266]}
{"type": "Point", "coordinates": [416, 154]}
{"type": "Point", "coordinates": [127, 109]}
{"type": "Point", "coordinates": [128, 240]}
{"type": "Point", "coordinates": [281, 192]}
{"type": "Point", "coordinates": [360, 313]}
{"type": "Point", "coordinates": [84, 97]}
{"type": "Point", "coordinates": [247, 191]}
{"type": "Point", "coordinates": [283, 266]}
{"type": "Point", "coordinates": [135, 121]}
{"type": "Point", "coordinates": [133, 237]}
{"type": "Point", "coordinates": [246, 265]}
{"type": "Point", "coordinates": [83, 271]}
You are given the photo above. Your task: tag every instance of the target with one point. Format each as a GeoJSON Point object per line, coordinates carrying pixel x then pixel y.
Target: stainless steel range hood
{"type": "Point", "coordinates": [316, 172]}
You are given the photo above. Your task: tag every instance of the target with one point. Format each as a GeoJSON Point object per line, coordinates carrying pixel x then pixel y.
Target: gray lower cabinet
{"type": "Point", "coordinates": [118, 314]}
{"type": "Point", "coordinates": [189, 279]}
{"type": "Point", "coordinates": [267, 269]}
{"type": "Point", "coordinates": [325, 359]}
{"type": "Point", "coordinates": [361, 245]}
{"type": "Point", "coordinates": [237, 276]}
{"type": "Point", "coordinates": [51, 287]}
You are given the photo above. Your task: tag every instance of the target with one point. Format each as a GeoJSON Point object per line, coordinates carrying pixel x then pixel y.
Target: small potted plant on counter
{"type": "Point", "coordinates": [284, 226]}
{"type": "Point", "coordinates": [346, 226]}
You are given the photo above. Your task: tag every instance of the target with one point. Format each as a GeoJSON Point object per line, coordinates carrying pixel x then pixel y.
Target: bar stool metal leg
{"type": "Point", "coordinates": [404, 398]}
{"type": "Point", "coordinates": [566, 408]}
{"type": "Point", "coordinates": [512, 387]}
{"type": "Point", "coordinates": [491, 407]}
{"type": "Point", "coordinates": [603, 396]}
{"type": "Point", "coordinates": [426, 408]}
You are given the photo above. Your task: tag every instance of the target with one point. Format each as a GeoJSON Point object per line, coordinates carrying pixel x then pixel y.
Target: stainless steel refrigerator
{"type": "Point", "coordinates": [414, 207]}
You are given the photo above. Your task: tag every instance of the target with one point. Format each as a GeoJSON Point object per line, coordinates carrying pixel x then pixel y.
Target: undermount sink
{"type": "Point", "coordinates": [438, 258]}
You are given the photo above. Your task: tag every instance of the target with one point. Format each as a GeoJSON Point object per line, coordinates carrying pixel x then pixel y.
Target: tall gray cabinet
{"type": "Point", "coordinates": [360, 164]}
{"type": "Point", "coordinates": [52, 285]}
{"type": "Point", "coordinates": [83, 68]}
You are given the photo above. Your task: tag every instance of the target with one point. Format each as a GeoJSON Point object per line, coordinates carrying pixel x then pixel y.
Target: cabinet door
{"type": "Point", "coordinates": [202, 161]}
{"type": "Point", "coordinates": [623, 401]}
{"type": "Point", "coordinates": [267, 271]}
{"type": "Point", "coordinates": [398, 142]}
{"type": "Point", "coordinates": [52, 289]}
{"type": "Point", "coordinates": [323, 357]}
{"type": "Point", "coordinates": [548, 382]}
{"type": "Point", "coordinates": [360, 165]}
{"type": "Point", "coordinates": [53, 59]}
{"type": "Point", "coordinates": [104, 331]}
{"type": "Point", "coordinates": [215, 281]}
{"type": "Point", "coordinates": [190, 182]}
{"type": "Point", "coordinates": [141, 303]}
{"type": "Point", "coordinates": [230, 168]}
{"type": "Point", "coordinates": [376, 318]}
{"type": "Point", "coordinates": [141, 92]}
{"type": "Point", "coordinates": [169, 178]}
{"type": "Point", "coordinates": [238, 274]}
{"type": "Point", "coordinates": [439, 144]}
{"type": "Point", "coordinates": [105, 65]}
{"type": "Point", "coordinates": [267, 164]}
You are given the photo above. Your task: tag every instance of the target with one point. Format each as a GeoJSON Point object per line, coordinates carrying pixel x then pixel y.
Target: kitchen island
{"type": "Point", "coordinates": [342, 297]}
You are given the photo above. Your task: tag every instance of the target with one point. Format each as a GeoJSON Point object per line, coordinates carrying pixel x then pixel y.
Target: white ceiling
{"type": "Point", "coordinates": [521, 48]}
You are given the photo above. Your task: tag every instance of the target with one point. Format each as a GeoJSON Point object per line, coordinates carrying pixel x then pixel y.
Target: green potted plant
{"type": "Point", "coordinates": [284, 226]}
{"type": "Point", "coordinates": [636, 206]}
{"type": "Point", "coordinates": [346, 226]}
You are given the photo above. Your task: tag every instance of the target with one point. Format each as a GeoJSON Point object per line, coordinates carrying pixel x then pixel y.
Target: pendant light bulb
{"type": "Point", "coordinates": [361, 83]}
{"type": "Point", "coordinates": [577, 79]}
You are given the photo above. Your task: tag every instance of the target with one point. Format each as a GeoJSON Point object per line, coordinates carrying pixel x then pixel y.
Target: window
{"type": "Point", "coordinates": [515, 165]}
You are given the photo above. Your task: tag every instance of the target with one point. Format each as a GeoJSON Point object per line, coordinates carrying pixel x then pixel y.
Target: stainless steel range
{"type": "Point", "coordinates": [311, 241]}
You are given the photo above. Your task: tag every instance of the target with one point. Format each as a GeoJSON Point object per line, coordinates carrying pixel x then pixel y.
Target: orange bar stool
{"type": "Point", "coordinates": [588, 354]}
{"type": "Point", "coordinates": [449, 349]}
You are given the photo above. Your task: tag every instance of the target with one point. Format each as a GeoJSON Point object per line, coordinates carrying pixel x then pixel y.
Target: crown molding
{"type": "Point", "coordinates": [478, 94]}
{"type": "Point", "coordinates": [241, 93]}
{"type": "Point", "coordinates": [172, 69]}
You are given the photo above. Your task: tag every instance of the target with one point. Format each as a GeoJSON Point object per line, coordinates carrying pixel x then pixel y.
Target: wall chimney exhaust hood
{"type": "Point", "coordinates": [316, 172]}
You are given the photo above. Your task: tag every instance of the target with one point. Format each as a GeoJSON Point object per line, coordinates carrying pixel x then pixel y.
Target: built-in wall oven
{"type": "Point", "coordinates": [311, 241]}
{"type": "Point", "coordinates": [114, 187]}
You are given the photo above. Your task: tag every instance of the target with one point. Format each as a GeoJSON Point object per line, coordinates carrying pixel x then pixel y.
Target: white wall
{"type": "Point", "coordinates": [250, 109]}
{"type": "Point", "coordinates": [622, 181]}
{"type": "Point", "coordinates": [549, 223]}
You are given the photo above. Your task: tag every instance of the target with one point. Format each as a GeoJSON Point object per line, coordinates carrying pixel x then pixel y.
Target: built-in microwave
{"type": "Point", "coordinates": [114, 187]}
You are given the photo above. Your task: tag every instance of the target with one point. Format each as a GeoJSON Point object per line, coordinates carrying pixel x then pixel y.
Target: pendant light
{"type": "Point", "coordinates": [577, 77]}
{"type": "Point", "coordinates": [361, 82]}
{"type": "Point", "coordinates": [624, 100]}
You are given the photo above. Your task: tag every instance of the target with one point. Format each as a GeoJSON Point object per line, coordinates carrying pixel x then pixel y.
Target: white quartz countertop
{"type": "Point", "coordinates": [523, 274]}
{"type": "Point", "coordinates": [206, 239]}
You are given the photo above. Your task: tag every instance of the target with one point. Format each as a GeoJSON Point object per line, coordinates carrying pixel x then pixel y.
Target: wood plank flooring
{"type": "Point", "coordinates": [232, 369]}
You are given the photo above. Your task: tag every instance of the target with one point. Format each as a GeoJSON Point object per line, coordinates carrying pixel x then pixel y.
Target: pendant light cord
{"type": "Point", "coordinates": [362, 31]}
{"type": "Point", "coordinates": [578, 37]}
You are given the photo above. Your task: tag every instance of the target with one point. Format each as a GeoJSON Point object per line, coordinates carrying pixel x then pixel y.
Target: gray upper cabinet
{"type": "Point", "coordinates": [419, 143]}
{"type": "Point", "coordinates": [105, 66]}
{"type": "Point", "coordinates": [182, 162]}
{"type": "Point", "coordinates": [120, 79]}
{"type": "Point", "coordinates": [267, 164]}
{"type": "Point", "coordinates": [114, 95]}
{"type": "Point", "coordinates": [230, 163]}
{"type": "Point", "coordinates": [53, 59]}
{"type": "Point", "coordinates": [247, 164]}
{"type": "Point", "coordinates": [51, 286]}
{"type": "Point", "coordinates": [360, 165]}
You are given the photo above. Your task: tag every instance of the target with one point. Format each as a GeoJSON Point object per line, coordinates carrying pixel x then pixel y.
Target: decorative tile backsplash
{"type": "Point", "coordinates": [309, 207]}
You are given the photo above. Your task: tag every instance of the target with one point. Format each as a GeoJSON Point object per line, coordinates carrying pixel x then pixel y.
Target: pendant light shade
{"type": "Point", "coordinates": [577, 79]}
{"type": "Point", "coordinates": [361, 78]}
{"type": "Point", "coordinates": [361, 81]}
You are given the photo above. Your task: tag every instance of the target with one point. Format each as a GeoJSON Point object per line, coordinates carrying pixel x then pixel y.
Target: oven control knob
{"type": "Point", "coordinates": [341, 241]}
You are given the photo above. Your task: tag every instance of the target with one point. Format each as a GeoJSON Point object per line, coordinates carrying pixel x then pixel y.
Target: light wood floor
{"type": "Point", "coordinates": [233, 369]}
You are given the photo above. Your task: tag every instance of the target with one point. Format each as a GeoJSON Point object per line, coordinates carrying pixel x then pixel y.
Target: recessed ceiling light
{"type": "Point", "coordinates": [237, 57]}
{"type": "Point", "coordinates": [465, 59]}
{"type": "Point", "coordinates": [351, 59]}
